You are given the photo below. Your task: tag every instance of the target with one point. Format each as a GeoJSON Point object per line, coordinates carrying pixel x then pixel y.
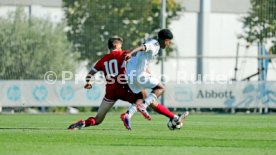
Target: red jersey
{"type": "Point", "coordinates": [113, 66]}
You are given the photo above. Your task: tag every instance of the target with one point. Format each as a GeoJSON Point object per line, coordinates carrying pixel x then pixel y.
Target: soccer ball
{"type": "Point", "coordinates": [173, 126]}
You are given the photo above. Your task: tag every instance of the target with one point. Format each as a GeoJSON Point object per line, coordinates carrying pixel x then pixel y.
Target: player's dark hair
{"type": "Point", "coordinates": [165, 34]}
{"type": "Point", "coordinates": [112, 41]}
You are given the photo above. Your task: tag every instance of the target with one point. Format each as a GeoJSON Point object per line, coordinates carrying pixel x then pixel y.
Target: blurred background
{"type": "Point", "coordinates": [222, 58]}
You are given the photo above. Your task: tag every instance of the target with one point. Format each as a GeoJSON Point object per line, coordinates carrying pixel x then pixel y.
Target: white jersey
{"type": "Point", "coordinates": [140, 62]}
{"type": "Point", "coordinates": [136, 73]}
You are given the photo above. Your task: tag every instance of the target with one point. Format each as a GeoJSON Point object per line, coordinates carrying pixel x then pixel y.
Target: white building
{"type": "Point", "coordinates": [222, 27]}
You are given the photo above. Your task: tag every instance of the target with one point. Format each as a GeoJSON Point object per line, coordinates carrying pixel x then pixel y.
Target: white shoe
{"type": "Point", "coordinates": [181, 118]}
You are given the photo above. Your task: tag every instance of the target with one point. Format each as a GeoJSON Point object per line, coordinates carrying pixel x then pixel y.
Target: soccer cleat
{"type": "Point", "coordinates": [78, 125]}
{"type": "Point", "coordinates": [126, 120]}
{"type": "Point", "coordinates": [142, 109]}
{"type": "Point", "coordinates": [181, 117]}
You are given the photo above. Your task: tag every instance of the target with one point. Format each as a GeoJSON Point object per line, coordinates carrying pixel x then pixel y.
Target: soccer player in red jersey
{"type": "Point", "coordinates": [113, 67]}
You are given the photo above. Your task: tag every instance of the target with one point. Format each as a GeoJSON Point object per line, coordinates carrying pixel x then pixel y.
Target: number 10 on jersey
{"type": "Point", "coordinates": [111, 68]}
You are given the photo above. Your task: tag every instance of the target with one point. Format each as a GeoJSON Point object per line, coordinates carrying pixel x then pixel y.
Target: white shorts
{"type": "Point", "coordinates": [146, 81]}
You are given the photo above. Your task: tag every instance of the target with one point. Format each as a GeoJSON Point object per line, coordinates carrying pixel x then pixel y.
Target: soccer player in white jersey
{"type": "Point", "coordinates": [139, 76]}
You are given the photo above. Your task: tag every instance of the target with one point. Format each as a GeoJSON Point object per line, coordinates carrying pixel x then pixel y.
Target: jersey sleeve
{"type": "Point", "coordinates": [99, 65]}
{"type": "Point", "coordinates": [151, 45]}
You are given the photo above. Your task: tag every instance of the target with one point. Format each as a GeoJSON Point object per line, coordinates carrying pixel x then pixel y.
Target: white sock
{"type": "Point", "coordinates": [175, 117]}
{"type": "Point", "coordinates": [131, 110]}
{"type": "Point", "coordinates": [152, 97]}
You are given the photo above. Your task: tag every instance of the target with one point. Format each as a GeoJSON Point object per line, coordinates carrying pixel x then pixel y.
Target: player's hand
{"type": "Point", "coordinates": [88, 86]}
{"type": "Point", "coordinates": [127, 56]}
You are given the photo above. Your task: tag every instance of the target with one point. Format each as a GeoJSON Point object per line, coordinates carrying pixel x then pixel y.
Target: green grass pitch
{"type": "Point", "coordinates": [202, 134]}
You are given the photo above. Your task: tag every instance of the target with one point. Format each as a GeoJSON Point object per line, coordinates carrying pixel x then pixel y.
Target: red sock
{"type": "Point", "coordinates": [164, 111]}
{"type": "Point", "coordinates": [90, 121]}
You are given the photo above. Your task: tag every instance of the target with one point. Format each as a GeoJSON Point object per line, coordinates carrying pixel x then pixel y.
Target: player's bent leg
{"type": "Point", "coordinates": [126, 117]}
{"type": "Point", "coordinates": [133, 109]}
{"type": "Point", "coordinates": [158, 89]}
{"type": "Point", "coordinates": [131, 97]}
{"type": "Point", "coordinates": [103, 109]}
{"type": "Point", "coordinates": [91, 121]}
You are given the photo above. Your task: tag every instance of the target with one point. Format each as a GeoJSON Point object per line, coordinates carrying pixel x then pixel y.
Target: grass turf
{"type": "Point", "coordinates": [202, 134]}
